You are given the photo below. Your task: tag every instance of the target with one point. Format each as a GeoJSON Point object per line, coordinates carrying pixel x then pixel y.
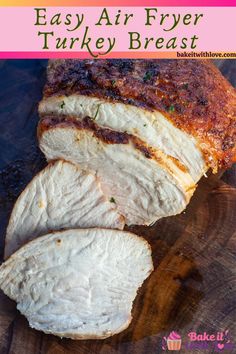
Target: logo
{"type": "Point", "coordinates": [216, 342]}
{"type": "Point", "coordinates": [172, 342]}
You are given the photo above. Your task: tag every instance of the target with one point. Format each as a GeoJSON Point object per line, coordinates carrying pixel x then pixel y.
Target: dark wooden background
{"type": "Point", "coordinates": [193, 286]}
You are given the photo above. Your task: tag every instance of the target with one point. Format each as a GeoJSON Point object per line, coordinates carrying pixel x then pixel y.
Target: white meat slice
{"type": "Point", "coordinates": [78, 283]}
{"type": "Point", "coordinates": [61, 196]}
{"type": "Point", "coordinates": [144, 189]}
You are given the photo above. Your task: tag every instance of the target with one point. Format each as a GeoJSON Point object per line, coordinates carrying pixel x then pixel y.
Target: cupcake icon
{"type": "Point", "coordinates": [173, 341]}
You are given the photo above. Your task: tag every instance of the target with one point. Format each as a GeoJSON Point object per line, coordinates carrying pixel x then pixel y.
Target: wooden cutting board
{"type": "Point", "coordinates": [193, 286]}
{"type": "Point", "coordinates": [191, 289]}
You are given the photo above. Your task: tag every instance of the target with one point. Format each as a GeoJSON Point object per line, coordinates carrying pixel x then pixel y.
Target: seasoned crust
{"type": "Point", "coordinates": [192, 94]}
{"type": "Point", "coordinates": [106, 135]}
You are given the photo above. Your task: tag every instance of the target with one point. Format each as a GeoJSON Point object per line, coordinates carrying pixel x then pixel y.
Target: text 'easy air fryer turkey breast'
{"type": "Point", "coordinates": [78, 283]}
{"type": "Point", "coordinates": [60, 196]}
{"type": "Point", "coordinates": [143, 182]}
{"type": "Point", "coordinates": [185, 108]}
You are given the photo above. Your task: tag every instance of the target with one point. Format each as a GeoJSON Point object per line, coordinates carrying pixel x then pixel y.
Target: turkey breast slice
{"type": "Point", "coordinates": [61, 196]}
{"type": "Point", "coordinates": [78, 284]}
{"type": "Point", "coordinates": [150, 126]}
{"type": "Point", "coordinates": [144, 183]}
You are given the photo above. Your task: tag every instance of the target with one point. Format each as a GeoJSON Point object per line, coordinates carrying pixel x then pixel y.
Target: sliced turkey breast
{"type": "Point", "coordinates": [59, 197]}
{"type": "Point", "coordinates": [78, 284]}
{"type": "Point", "coordinates": [183, 107]}
{"type": "Point", "coordinates": [143, 182]}
{"type": "Point", "coordinates": [151, 127]}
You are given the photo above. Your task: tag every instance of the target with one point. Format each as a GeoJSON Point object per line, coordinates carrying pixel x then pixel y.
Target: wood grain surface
{"type": "Point", "coordinates": [193, 286]}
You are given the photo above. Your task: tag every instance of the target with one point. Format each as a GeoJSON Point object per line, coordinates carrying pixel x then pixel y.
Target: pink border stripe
{"type": "Point", "coordinates": [116, 3]}
{"type": "Point", "coordinates": [43, 55]}
{"type": "Point", "coordinates": [85, 55]}
{"type": "Point", "coordinates": [81, 55]}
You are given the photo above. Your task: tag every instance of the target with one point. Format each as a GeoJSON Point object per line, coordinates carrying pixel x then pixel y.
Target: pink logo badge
{"type": "Point", "coordinates": [172, 342]}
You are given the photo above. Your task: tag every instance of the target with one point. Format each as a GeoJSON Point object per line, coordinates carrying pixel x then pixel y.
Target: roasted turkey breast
{"type": "Point", "coordinates": [184, 109]}
{"type": "Point", "coordinates": [191, 95]}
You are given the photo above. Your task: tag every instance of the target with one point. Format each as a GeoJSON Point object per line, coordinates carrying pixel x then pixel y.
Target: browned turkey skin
{"type": "Point", "coordinates": [192, 94]}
